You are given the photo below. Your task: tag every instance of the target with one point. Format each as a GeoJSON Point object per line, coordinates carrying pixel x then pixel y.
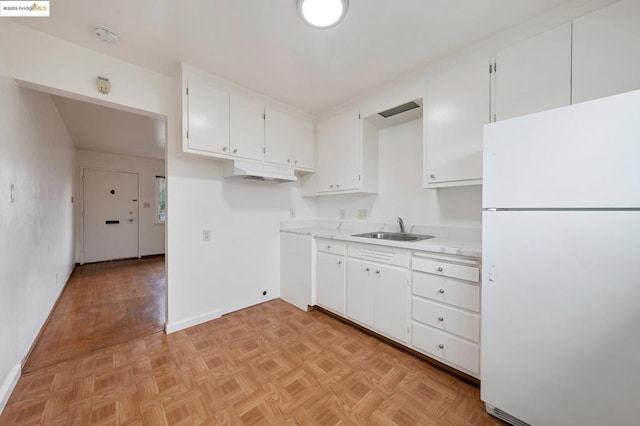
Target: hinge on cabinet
{"type": "Point", "coordinates": [494, 118]}
{"type": "Point", "coordinates": [408, 330]}
{"type": "Point", "coordinates": [187, 91]}
{"type": "Point", "coordinates": [187, 134]}
{"type": "Point", "coordinates": [490, 68]}
{"type": "Point", "coordinates": [264, 150]}
{"type": "Point", "coordinates": [264, 115]}
{"type": "Point", "coordinates": [495, 67]}
{"type": "Point", "coordinates": [358, 178]}
{"type": "Point", "coordinates": [358, 116]}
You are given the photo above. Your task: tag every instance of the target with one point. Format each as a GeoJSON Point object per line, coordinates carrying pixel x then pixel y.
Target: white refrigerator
{"type": "Point", "coordinates": [561, 265]}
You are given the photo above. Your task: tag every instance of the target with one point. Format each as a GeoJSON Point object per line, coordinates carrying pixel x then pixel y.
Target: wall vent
{"type": "Point", "coordinates": [399, 109]}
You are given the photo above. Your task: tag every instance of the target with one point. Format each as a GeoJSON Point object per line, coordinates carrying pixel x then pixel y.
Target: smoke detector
{"type": "Point", "coordinates": [106, 35]}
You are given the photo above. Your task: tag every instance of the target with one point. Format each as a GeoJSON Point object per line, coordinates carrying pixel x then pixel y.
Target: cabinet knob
{"type": "Point", "coordinates": [440, 269]}
{"type": "Point", "coordinates": [367, 270]}
{"type": "Point", "coordinates": [441, 291]}
{"type": "Point", "coordinates": [433, 177]}
{"type": "Point", "coordinates": [331, 186]}
{"type": "Point", "coordinates": [337, 186]}
{"type": "Point", "coordinates": [328, 247]}
{"type": "Point", "coordinates": [235, 150]}
{"type": "Point", "coordinates": [339, 262]}
{"type": "Point", "coordinates": [289, 161]}
{"type": "Point", "coordinates": [440, 319]}
{"type": "Point", "coordinates": [441, 346]}
{"type": "Point", "coordinates": [377, 271]}
{"type": "Point", "coordinates": [224, 148]}
{"type": "Point", "coordinates": [295, 161]}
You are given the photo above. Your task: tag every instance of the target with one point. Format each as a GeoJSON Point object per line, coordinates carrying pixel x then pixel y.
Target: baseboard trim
{"type": "Point", "coordinates": [190, 322]}
{"type": "Point", "coordinates": [8, 385]}
{"type": "Point", "coordinates": [46, 321]}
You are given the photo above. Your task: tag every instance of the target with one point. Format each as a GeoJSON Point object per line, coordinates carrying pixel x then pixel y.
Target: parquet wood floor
{"type": "Point", "coordinates": [103, 304]}
{"type": "Point", "coordinates": [269, 364]}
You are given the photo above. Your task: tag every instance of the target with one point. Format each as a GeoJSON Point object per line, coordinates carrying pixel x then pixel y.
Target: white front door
{"type": "Point", "coordinates": [110, 215]}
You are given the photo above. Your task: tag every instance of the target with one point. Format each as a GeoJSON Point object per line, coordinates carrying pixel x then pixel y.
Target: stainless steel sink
{"type": "Point", "coordinates": [393, 236]}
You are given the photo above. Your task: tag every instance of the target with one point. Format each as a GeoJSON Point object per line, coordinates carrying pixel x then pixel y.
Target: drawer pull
{"type": "Point", "coordinates": [441, 291]}
{"type": "Point", "coordinates": [441, 346]}
{"type": "Point", "coordinates": [440, 319]}
{"type": "Point", "coordinates": [440, 269]}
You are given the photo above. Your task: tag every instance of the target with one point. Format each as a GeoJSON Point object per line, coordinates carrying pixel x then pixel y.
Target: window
{"type": "Point", "coordinates": [161, 199]}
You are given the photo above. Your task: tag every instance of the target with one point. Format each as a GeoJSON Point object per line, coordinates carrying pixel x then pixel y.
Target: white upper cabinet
{"type": "Point", "coordinates": [207, 118]}
{"type": "Point", "coordinates": [246, 128]}
{"type": "Point", "coordinates": [534, 75]}
{"type": "Point", "coordinates": [456, 109]}
{"type": "Point", "coordinates": [347, 154]}
{"type": "Point", "coordinates": [606, 58]}
{"type": "Point", "coordinates": [289, 140]}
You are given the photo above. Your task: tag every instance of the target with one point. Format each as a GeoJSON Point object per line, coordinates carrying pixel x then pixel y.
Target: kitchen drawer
{"type": "Point", "coordinates": [447, 290]}
{"type": "Point", "coordinates": [447, 347]}
{"type": "Point", "coordinates": [451, 320]}
{"type": "Point", "coordinates": [379, 254]}
{"type": "Point", "coordinates": [446, 269]}
{"type": "Point", "coordinates": [331, 246]}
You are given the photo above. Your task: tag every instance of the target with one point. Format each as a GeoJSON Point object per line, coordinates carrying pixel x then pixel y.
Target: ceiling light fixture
{"type": "Point", "coordinates": [323, 14]}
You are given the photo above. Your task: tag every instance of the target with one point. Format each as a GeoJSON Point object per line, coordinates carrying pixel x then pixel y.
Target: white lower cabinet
{"type": "Point", "coordinates": [377, 297]}
{"type": "Point", "coordinates": [445, 310]}
{"type": "Point", "coordinates": [429, 302]}
{"type": "Point", "coordinates": [330, 282]}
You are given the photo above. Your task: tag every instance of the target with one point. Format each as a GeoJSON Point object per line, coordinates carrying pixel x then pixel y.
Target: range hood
{"type": "Point", "coordinates": [259, 171]}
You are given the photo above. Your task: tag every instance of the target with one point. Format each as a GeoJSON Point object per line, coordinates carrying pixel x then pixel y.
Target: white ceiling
{"type": "Point", "coordinates": [97, 128]}
{"type": "Point", "coordinates": [263, 45]}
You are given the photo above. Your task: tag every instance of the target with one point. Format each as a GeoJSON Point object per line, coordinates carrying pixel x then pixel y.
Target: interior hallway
{"type": "Point", "coordinates": [103, 304]}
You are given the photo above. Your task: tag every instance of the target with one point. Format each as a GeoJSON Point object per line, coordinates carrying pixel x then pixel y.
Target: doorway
{"type": "Point", "coordinates": [110, 228]}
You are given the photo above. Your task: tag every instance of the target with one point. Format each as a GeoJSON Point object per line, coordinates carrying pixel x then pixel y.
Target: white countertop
{"type": "Point", "coordinates": [457, 241]}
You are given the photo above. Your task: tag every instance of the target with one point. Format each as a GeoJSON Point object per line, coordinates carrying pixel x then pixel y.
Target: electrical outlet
{"type": "Point", "coordinates": [341, 213]}
{"type": "Point", "coordinates": [292, 212]}
{"type": "Point", "coordinates": [362, 214]}
{"type": "Point", "coordinates": [206, 235]}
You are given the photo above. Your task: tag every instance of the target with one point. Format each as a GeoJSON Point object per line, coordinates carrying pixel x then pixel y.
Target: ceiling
{"type": "Point", "coordinates": [97, 128]}
{"type": "Point", "coordinates": [263, 44]}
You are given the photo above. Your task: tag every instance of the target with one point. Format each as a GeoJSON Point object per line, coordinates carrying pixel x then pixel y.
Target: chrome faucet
{"type": "Point", "coordinates": [401, 223]}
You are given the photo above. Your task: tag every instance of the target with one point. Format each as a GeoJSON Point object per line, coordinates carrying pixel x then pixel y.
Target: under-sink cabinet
{"type": "Point", "coordinates": [446, 309]}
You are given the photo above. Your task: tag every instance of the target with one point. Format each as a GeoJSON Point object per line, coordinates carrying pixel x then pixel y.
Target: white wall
{"type": "Point", "coordinates": [400, 191]}
{"type": "Point", "coordinates": [151, 232]}
{"type": "Point", "coordinates": [36, 231]}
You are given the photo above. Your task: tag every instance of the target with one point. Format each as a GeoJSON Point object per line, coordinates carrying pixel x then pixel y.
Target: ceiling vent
{"type": "Point", "coordinates": [399, 109]}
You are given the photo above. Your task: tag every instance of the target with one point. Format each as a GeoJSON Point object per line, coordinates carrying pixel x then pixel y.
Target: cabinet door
{"type": "Point", "coordinates": [330, 282]}
{"type": "Point", "coordinates": [246, 129]}
{"type": "Point", "coordinates": [208, 117]}
{"type": "Point", "coordinates": [295, 269]}
{"type": "Point", "coordinates": [391, 301]}
{"type": "Point", "coordinates": [361, 292]}
{"type": "Point", "coordinates": [303, 143]}
{"type": "Point", "coordinates": [457, 108]}
{"type": "Point", "coordinates": [534, 75]}
{"type": "Point", "coordinates": [327, 155]}
{"type": "Point", "coordinates": [605, 51]}
{"type": "Point", "coordinates": [277, 137]}
{"type": "Point", "coordinates": [348, 148]}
